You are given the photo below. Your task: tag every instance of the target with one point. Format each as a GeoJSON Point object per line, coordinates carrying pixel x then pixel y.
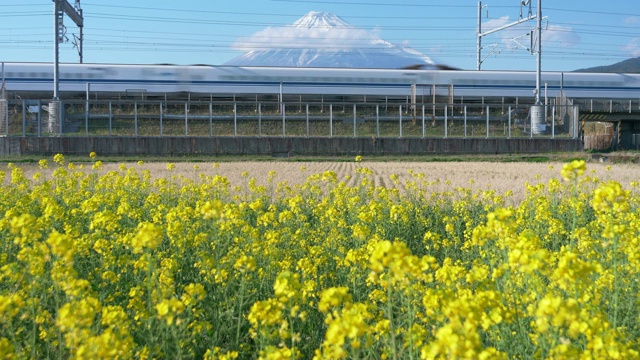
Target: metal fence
{"type": "Point", "coordinates": [230, 118]}
{"type": "Point", "coordinates": [608, 105]}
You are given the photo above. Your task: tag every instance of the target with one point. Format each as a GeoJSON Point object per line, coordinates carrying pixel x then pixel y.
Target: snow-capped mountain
{"type": "Point", "coordinates": [321, 39]}
{"type": "Point", "coordinates": [319, 19]}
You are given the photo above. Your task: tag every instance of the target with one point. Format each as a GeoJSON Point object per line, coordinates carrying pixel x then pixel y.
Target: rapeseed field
{"type": "Point", "coordinates": [122, 264]}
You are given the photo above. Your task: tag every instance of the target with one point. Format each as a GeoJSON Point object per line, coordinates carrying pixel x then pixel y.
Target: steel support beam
{"type": "Point", "coordinates": [61, 7]}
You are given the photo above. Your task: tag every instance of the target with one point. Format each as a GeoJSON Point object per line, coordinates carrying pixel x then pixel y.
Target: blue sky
{"type": "Point", "coordinates": [577, 34]}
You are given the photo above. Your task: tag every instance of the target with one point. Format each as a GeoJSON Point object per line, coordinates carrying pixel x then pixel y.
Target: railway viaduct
{"type": "Point", "coordinates": [612, 130]}
{"type": "Point", "coordinates": [608, 129]}
{"type": "Point", "coordinates": [22, 140]}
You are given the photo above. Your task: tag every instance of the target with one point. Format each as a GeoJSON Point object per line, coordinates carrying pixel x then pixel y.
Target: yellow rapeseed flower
{"type": "Point", "coordinates": [333, 297]}
{"type": "Point", "coordinates": [149, 236]}
{"type": "Point", "coordinates": [58, 159]}
{"type": "Point", "coordinates": [573, 170]}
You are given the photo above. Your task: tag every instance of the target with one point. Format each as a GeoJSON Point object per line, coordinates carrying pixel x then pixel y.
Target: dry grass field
{"type": "Point", "coordinates": [440, 176]}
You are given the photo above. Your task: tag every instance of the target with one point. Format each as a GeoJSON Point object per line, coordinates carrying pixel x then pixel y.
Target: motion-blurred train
{"type": "Point", "coordinates": [36, 79]}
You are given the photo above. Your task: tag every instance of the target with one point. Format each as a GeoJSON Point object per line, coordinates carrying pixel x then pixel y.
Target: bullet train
{"type": "Point", "coordinates": [36, 79]}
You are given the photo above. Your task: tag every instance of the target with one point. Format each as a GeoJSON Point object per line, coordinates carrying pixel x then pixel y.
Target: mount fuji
{"type": "Point", "coordinates": [321, 39]}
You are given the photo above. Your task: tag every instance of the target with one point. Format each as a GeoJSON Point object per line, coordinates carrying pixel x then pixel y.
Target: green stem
{"type": "Point", "coordinates": [615, 282]}
{"type": "Point", "coordinates": [292, 337]}
{"type": "Point", "coordinates": [240, 301]}
{"type": "Point", "coordinates": [392, 331]}
{"type": "Point", "coordinates": [34, 330]}
{"type": "Point", "coordinates": [149, 285]}
{"type": "Point", "coordinates": [410, 327]}
{"type": "Point", "coordinates": [177, 341]}
{"type": "Point", "coordinates": [575, 215]}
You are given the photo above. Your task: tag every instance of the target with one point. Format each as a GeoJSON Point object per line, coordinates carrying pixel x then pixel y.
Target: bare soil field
{"type": "Point", "coordinates": [440, 176]}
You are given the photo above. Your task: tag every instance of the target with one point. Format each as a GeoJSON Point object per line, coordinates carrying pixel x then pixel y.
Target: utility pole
{"type": "Point", "coordinates": [482, 34]}
{"type": "Point", "coordinates": [479, 59]}
{"type": "Point", "coordinates": [60, 8]}
{"type": "Point", "coordinates": [539, 53]}
{"type": "Point", "coordinates": [537, 111]}
{"type": "Point", "coordinates": [78, 40]}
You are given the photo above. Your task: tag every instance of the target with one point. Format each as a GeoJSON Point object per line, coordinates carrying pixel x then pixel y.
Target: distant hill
{"type": "Point", "coordinates": [626, 66]}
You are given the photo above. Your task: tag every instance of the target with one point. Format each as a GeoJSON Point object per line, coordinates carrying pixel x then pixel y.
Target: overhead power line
{"type": "Point", "coordinates": [439, 32]}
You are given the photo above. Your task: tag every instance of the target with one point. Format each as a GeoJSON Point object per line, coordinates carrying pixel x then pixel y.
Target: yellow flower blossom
{"type": "Point", "coordinates": [574, 169]}
{"type": "Point", "coordinates": [58, 159]}
{"type": "Point", "coordinates": [333, 297]}
{"type": "Point", "coordinates": [124, 264]}
{"type": "Point", "coordinates": [149, 236]}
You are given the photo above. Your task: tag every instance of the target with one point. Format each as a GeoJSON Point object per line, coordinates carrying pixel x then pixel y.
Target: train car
{"type": "Point", "coordinates": [522, 84]}
{"type": "Point", "coordinates": [36, 80]}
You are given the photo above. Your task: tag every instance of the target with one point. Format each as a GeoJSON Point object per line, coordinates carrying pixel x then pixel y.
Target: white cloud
{"type": "Point", "coordinates": [560, 36]}
{"type": "Point", "coordinates": [511, 38]}
{"type": "Point", "coordinates": [495, 23]}
{"type": "Point", "coordinates": [517, 36]}
{"type": "Point", "coordinates": [633, 20]}
{"type": "Point", "coordinates": [309, 38]}
{"type": "Point", "coordinates": [633, 47]}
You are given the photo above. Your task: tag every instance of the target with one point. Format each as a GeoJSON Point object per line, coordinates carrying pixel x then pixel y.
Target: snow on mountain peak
{"type": "Point", "coordinates": [320, 19]}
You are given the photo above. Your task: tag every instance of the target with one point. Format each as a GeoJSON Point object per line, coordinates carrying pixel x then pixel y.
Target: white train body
{"type": "Point", "coordinates": [167, 79]}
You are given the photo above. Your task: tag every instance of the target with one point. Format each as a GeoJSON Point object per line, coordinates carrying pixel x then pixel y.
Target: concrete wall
{"type": "Point", "coordinates": [277, 146]}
